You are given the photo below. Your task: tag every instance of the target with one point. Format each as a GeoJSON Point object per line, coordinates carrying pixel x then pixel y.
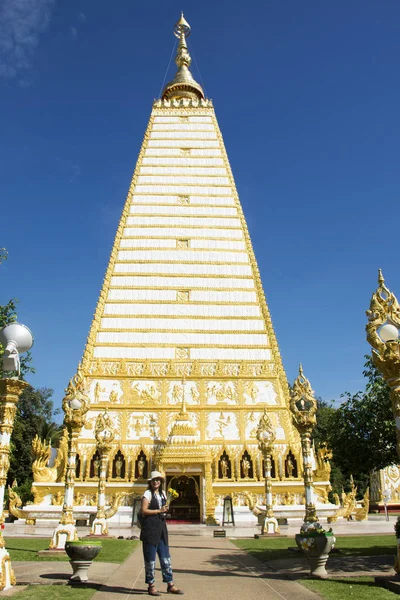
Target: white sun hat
{"type": "Point", "coordinates": [156, 475]}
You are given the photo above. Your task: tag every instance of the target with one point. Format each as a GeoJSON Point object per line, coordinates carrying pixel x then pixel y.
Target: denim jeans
{"type": "Point", "coordinates": [149, 554]}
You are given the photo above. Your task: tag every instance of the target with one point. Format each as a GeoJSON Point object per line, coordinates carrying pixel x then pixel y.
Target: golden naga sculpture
{"type": "Point", "coordinates": [42, 454]}
{"type": "Point", "coordinates": [348, 504]}
{"type": "Point", "coordinates": [251, 503]}
{"type": "Point", "coordinates": [15, 503]}
{"type": "Point", "coordinates": [361, 513]}
{"type": "Point", "coordinates": [383, 335]}
{"type": "Point", "coordinates": [322, 493]}
{"type": "Point", "coordinates": [323, 470]}
{"type": "Point", "coordinates": [115, 504]}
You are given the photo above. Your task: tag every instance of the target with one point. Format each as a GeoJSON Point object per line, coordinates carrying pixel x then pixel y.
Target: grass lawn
{"type": "Point", "coordinates": [361, 588]}
{"type": "Point", "coordinates": [266, 549]}
{"type": "Point", "coordinates": [114, 551]}
{"type": "Point", "coordinates": [55, 592]}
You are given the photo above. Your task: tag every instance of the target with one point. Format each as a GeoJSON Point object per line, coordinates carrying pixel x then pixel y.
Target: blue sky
{"type": "Point", "coordinates": [307, 96]}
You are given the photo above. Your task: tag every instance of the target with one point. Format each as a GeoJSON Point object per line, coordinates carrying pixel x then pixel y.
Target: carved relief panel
{"type": "Point", "coordinates": [105, 390]}
{"type": "Point", "coordinates": [251, 423]}
{"type": "Point", "coordinates": [175, 392]}
{"type": "Point", "coordinates": [222, 425]}
{"type": "Point", "coordinates": [115, 418]}
{"type": "Point", "coordinates": [259, 392]}
{"type": "Point", "coordinates": [143, 425]}
{"type": "Point", "coordinates": [220, 392]}
{"type": "Point", "coordinates": [145, 392]}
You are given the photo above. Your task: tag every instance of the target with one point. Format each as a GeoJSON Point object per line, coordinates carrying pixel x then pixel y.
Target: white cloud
{"type": "Point", "coordinates": [21, 23]}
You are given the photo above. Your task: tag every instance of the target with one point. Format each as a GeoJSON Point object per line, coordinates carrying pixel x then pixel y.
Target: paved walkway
{"type": "Point", "coordinates": [206, 568]}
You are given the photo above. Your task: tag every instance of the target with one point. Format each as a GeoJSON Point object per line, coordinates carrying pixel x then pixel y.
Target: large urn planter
{"type": "Point", "coordinates": [316, 548]}
{"type": "Point", "coordinates": [81, 554]}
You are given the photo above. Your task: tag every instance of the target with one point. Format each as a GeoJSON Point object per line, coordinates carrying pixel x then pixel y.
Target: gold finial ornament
{"type": "Point", "coordinates": [383, 335]}
{"type": "Point", "coordinates": [183, 85]}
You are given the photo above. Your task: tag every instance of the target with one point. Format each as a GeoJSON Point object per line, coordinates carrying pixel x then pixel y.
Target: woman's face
{"type": "Point", "coordinates": [155, 483]}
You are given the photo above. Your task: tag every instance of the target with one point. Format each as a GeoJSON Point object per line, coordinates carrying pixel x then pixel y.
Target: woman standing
{"type": "Point", "coordinates": [154, 535]}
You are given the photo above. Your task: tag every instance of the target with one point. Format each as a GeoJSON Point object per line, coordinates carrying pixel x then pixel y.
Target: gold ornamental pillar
{"type": "Point", "coordinates": [10, 391]}
{"type": "Point", "coordinates": [383, 335]}
{"type": "Point", "coordinates": [210, 500]}
{"type": "Point", "coordinates": [304, 406]}
{"type": "Point", "coordinates": [266, 438]}
{"type": "Point", "coordinates": [75, 405]}
{"type": "Point", "coordinates": [105, 434]}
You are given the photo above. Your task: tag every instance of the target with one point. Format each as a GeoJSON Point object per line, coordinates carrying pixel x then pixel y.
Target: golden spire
{"type": "Point", "coordinates": [381, 280]}
{"type": "Point", "coordinates": [183, 85]}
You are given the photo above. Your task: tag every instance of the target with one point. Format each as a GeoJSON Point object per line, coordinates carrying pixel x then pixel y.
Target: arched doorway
{"type": "Point", "coordinates": [186, 508]}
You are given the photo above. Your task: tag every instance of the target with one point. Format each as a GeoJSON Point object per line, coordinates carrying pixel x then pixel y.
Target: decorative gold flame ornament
{"type": "Point", "coordinates": [266, 438]}
{"type": "Point", "coordinates": [304, 407]}
{"type": "Point", "coordinates": [75, 405]}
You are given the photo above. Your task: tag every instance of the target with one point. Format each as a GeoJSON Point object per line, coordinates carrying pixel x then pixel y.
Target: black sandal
{"type": "Point", "coordinates": [171, 589]}
{"type": "Point", "coordinates": [152, 591]}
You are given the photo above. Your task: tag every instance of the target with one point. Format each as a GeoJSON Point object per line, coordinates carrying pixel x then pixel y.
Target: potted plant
{"type": "Point", "coordinates": [81, 554]}
{"type": "Point", "coordinates": [316, 543]}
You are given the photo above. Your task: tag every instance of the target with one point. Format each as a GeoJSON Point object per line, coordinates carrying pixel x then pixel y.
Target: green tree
{"type": "Point", "coordinates": [362, 430]}
{"type": "Point", "coordinates": [321, 436]}
{"type": "Point", "coordinates": [35, 415]}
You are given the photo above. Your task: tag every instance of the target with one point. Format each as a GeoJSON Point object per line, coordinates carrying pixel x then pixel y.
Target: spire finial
{"type": "Point", "coordinates": [381, 279]}
{"type": "Point", "coordinates": [183, 85]}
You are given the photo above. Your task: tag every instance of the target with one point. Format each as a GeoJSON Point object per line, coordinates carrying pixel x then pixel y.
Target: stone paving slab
{"type": "Point", "coordinates": [58, 572]}
{"type": "Point", "coordinates": [206, 568]}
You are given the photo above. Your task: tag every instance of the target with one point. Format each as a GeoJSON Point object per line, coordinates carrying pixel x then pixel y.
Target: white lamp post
{"type": "Point", "coordinates": [16, 339]}
{"type": "Point", "coordinates": [75, 405]}
{"type": "Point", "coordinates": [104, 433]}
{"type": "Point", "coordinates": [266, 438]}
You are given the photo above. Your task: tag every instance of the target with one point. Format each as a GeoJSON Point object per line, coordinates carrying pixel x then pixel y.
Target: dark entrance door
{"type": "Point", "coordinates": [186, 508]}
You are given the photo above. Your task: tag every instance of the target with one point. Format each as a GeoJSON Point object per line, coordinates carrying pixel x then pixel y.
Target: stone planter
{"type": "Point", "coordinates": [316, 549]}
{"type": "Point", "coordinates": [81, 554]}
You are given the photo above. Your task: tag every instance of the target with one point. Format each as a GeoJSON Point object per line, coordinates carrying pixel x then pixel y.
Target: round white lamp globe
{"type": "Point", "coordinates": [19, 335]}
{"type": "Point", "coordinates": [75, 404]}
{"type": "Point", "coordinates": [388, 332]}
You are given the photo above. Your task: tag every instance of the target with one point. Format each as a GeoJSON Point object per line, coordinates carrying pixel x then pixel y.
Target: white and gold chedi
{"type": "Point", "coordinates": [182, 351]}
